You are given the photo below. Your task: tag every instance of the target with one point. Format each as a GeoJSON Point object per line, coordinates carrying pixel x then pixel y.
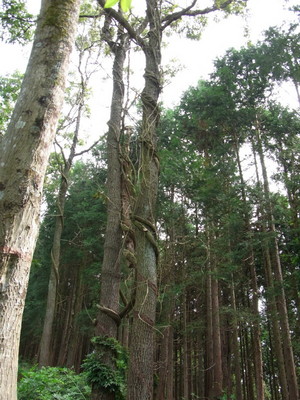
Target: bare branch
{"type": "Point", "coordinates": [61, 150]}
{"type": "Point", "coordinates": [90, 15]}
{"type": "Point", "coordinates": [169, 19]}
{"type": "Point", "coordinates": [88, 149]}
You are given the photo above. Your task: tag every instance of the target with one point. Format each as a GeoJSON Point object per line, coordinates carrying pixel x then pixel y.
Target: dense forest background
{"type": "Point", "coordinates": [227, 234]}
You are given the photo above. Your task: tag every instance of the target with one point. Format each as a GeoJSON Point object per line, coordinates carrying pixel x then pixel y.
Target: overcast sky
{"type": "Point", "coordinates": [219, 36]}
{"type": "Point", "coordinates": [194, 57]}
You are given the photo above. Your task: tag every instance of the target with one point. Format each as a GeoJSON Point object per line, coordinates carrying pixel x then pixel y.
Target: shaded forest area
{"type": "Point", "coordinates": [222, 171]}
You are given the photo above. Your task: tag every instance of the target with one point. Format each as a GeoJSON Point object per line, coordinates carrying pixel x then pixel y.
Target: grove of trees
{"type": "Point", "coordinates": [161, 260]}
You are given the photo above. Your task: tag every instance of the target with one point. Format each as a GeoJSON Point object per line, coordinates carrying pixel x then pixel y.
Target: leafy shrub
{"type": "Point", "coordinates": [110, 378]}
{"type": "Point", "coordinates": [52, 383]}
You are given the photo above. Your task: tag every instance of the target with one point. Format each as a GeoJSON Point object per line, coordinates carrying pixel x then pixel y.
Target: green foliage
{"type": "Point", "coordinates": [49, 383]}
{"type": "Point", "coordinates": [9, 90]}
{"type": "Point", "coordinates": [125, 4]}
{"type": "Point", "coordinates": [82, 247]}
{"type": "Point", "coordinates": [281, 52]}
{"type": "Point", "coordinates": [104, 377]}
{"type": "Point", "coordinates": [227, 397]}
{"type": "Point", "coordinates": [16, 23]}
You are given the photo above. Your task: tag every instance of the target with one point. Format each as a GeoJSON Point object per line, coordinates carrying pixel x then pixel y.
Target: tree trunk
{"type": "Point", "coordinates": [185, 349]}
{"type": "Point", "coordinates": [140, 374]}
{"type": "Point", "coordinates": [209, 361]}
{"type": "Point", "coordinates": [278, 278]}
{"type": "Point", "coordinates": [217, 384]}
{"type": "Point", "coordinates": [23, 160]}
{"type": "Point", "coordinates": [271, 306]}
{"type": "Point", "coordinates": [45, 356]}
{"type": "Point", "coordinates": [250, 265]}
{"type": "Point", "coordinates": [165, 359]}
{"type": "Point", "coordinates": [236, 351]}
{"type": "Point", "coordinates": [108, 318]}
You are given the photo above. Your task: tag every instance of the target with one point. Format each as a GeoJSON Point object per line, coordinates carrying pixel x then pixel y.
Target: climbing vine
{"type": "Point", "coordinates": [101, 374]}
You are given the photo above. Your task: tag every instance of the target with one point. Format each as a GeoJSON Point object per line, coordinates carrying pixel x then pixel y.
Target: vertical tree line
{"type": "Point", "coordinates": [156, 248]}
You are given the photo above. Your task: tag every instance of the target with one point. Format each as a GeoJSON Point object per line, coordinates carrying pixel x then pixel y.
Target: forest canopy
{"type": "Point", "coordinates": [167, 261]}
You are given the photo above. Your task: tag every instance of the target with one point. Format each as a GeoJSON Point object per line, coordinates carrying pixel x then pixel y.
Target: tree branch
{"type": "Point", "coordinates": [88, 149]}
{"type": "Point", "coordinates": [186, 12]}
{"type": "Point", "coordinates": [122, 21]}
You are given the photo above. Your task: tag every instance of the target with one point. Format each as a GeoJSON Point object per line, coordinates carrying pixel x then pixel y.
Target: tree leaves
{"type": "Point", "coordinates": [16, 24]}
{"type": "Point", "coordinates": [125, 4]}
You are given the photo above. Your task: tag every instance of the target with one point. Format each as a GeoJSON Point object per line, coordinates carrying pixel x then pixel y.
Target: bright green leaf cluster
{"type": "Point", "coordinates": [125, 4]}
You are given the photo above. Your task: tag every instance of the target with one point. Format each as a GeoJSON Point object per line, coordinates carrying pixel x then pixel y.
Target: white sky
{"type": "Point", "coordinates": [219, 36]}
{"type": "Point", "coordinates": [195, 57]}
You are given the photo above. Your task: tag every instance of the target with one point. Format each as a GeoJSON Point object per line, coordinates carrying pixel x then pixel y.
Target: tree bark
{"type": "Point", "coordinates": [23, 160]}
{"type": "Point", "coordinates": [108, 322]}
{"type": "Point", "coordinates": [217, 383]}
{"type": "Point", "coordinates": [209, 360]}
{"type": "Point", "coordinates": [140, 374]}
{"type": "Point", "coordinates": [250, 264]}
{"type": "Point", "coordinates": [185, 363]}
{"type": "Point", "coordinates": [235, 346]}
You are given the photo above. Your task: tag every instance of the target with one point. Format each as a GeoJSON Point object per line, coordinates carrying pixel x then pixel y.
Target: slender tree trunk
{"type": "Point", "coordinates": [23, 160]}
{"type": "Point", "coordinates": [216, 329]}
{"type": "Point", "coordinates": [281, 299]}
{"type": "Point", "coordinates": [45, 356]}
{"type": "Point", "coordinates": [165, 359]}
{"type": "Point", "coordinates": [296, 84]}
{"type": "Point", "coordinates": [108, 318]}
{"type": "Point", "coordinates": [209, 338]}
{"type": "Point", "coordinates": [250, 264]}
{"type": "Point", "coordinates": [271, 306]}
{"type": "Point", "coordinates": [236, 351]}
{"type": "Point", "coordinates": [185, 349]}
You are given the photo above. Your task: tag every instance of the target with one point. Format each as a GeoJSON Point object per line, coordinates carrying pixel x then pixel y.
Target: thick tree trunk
{"type": "Point", "coordinates": [23, 160]}
{"type": "Point", "coordinates": [140, 374]}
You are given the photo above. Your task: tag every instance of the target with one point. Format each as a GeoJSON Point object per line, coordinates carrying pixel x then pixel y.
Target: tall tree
{"type": "Point", "coordinates": [249, 88]}
{"type": "Point", "coordinates": [140, 376]}
{"type": "Point", "coordinates": [280, 50]}
{"type": "Point", "coordinates": [76, 100]}
{"type": "Point", "coordinates": [108, 319]}
{"type": "Point", "coordinates": [24, 155]}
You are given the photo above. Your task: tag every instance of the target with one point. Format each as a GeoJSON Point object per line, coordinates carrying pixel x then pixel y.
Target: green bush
{"type": "Point", "coordinates": [52, 383]}
{"type": "Point", "coordinates": [109, 378]}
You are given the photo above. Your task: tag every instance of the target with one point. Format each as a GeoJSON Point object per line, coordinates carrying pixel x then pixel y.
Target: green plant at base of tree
{"type": "Point", "coordinates": [50, 383]}
{"type": "Point", "coordinates": [103, 376]}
